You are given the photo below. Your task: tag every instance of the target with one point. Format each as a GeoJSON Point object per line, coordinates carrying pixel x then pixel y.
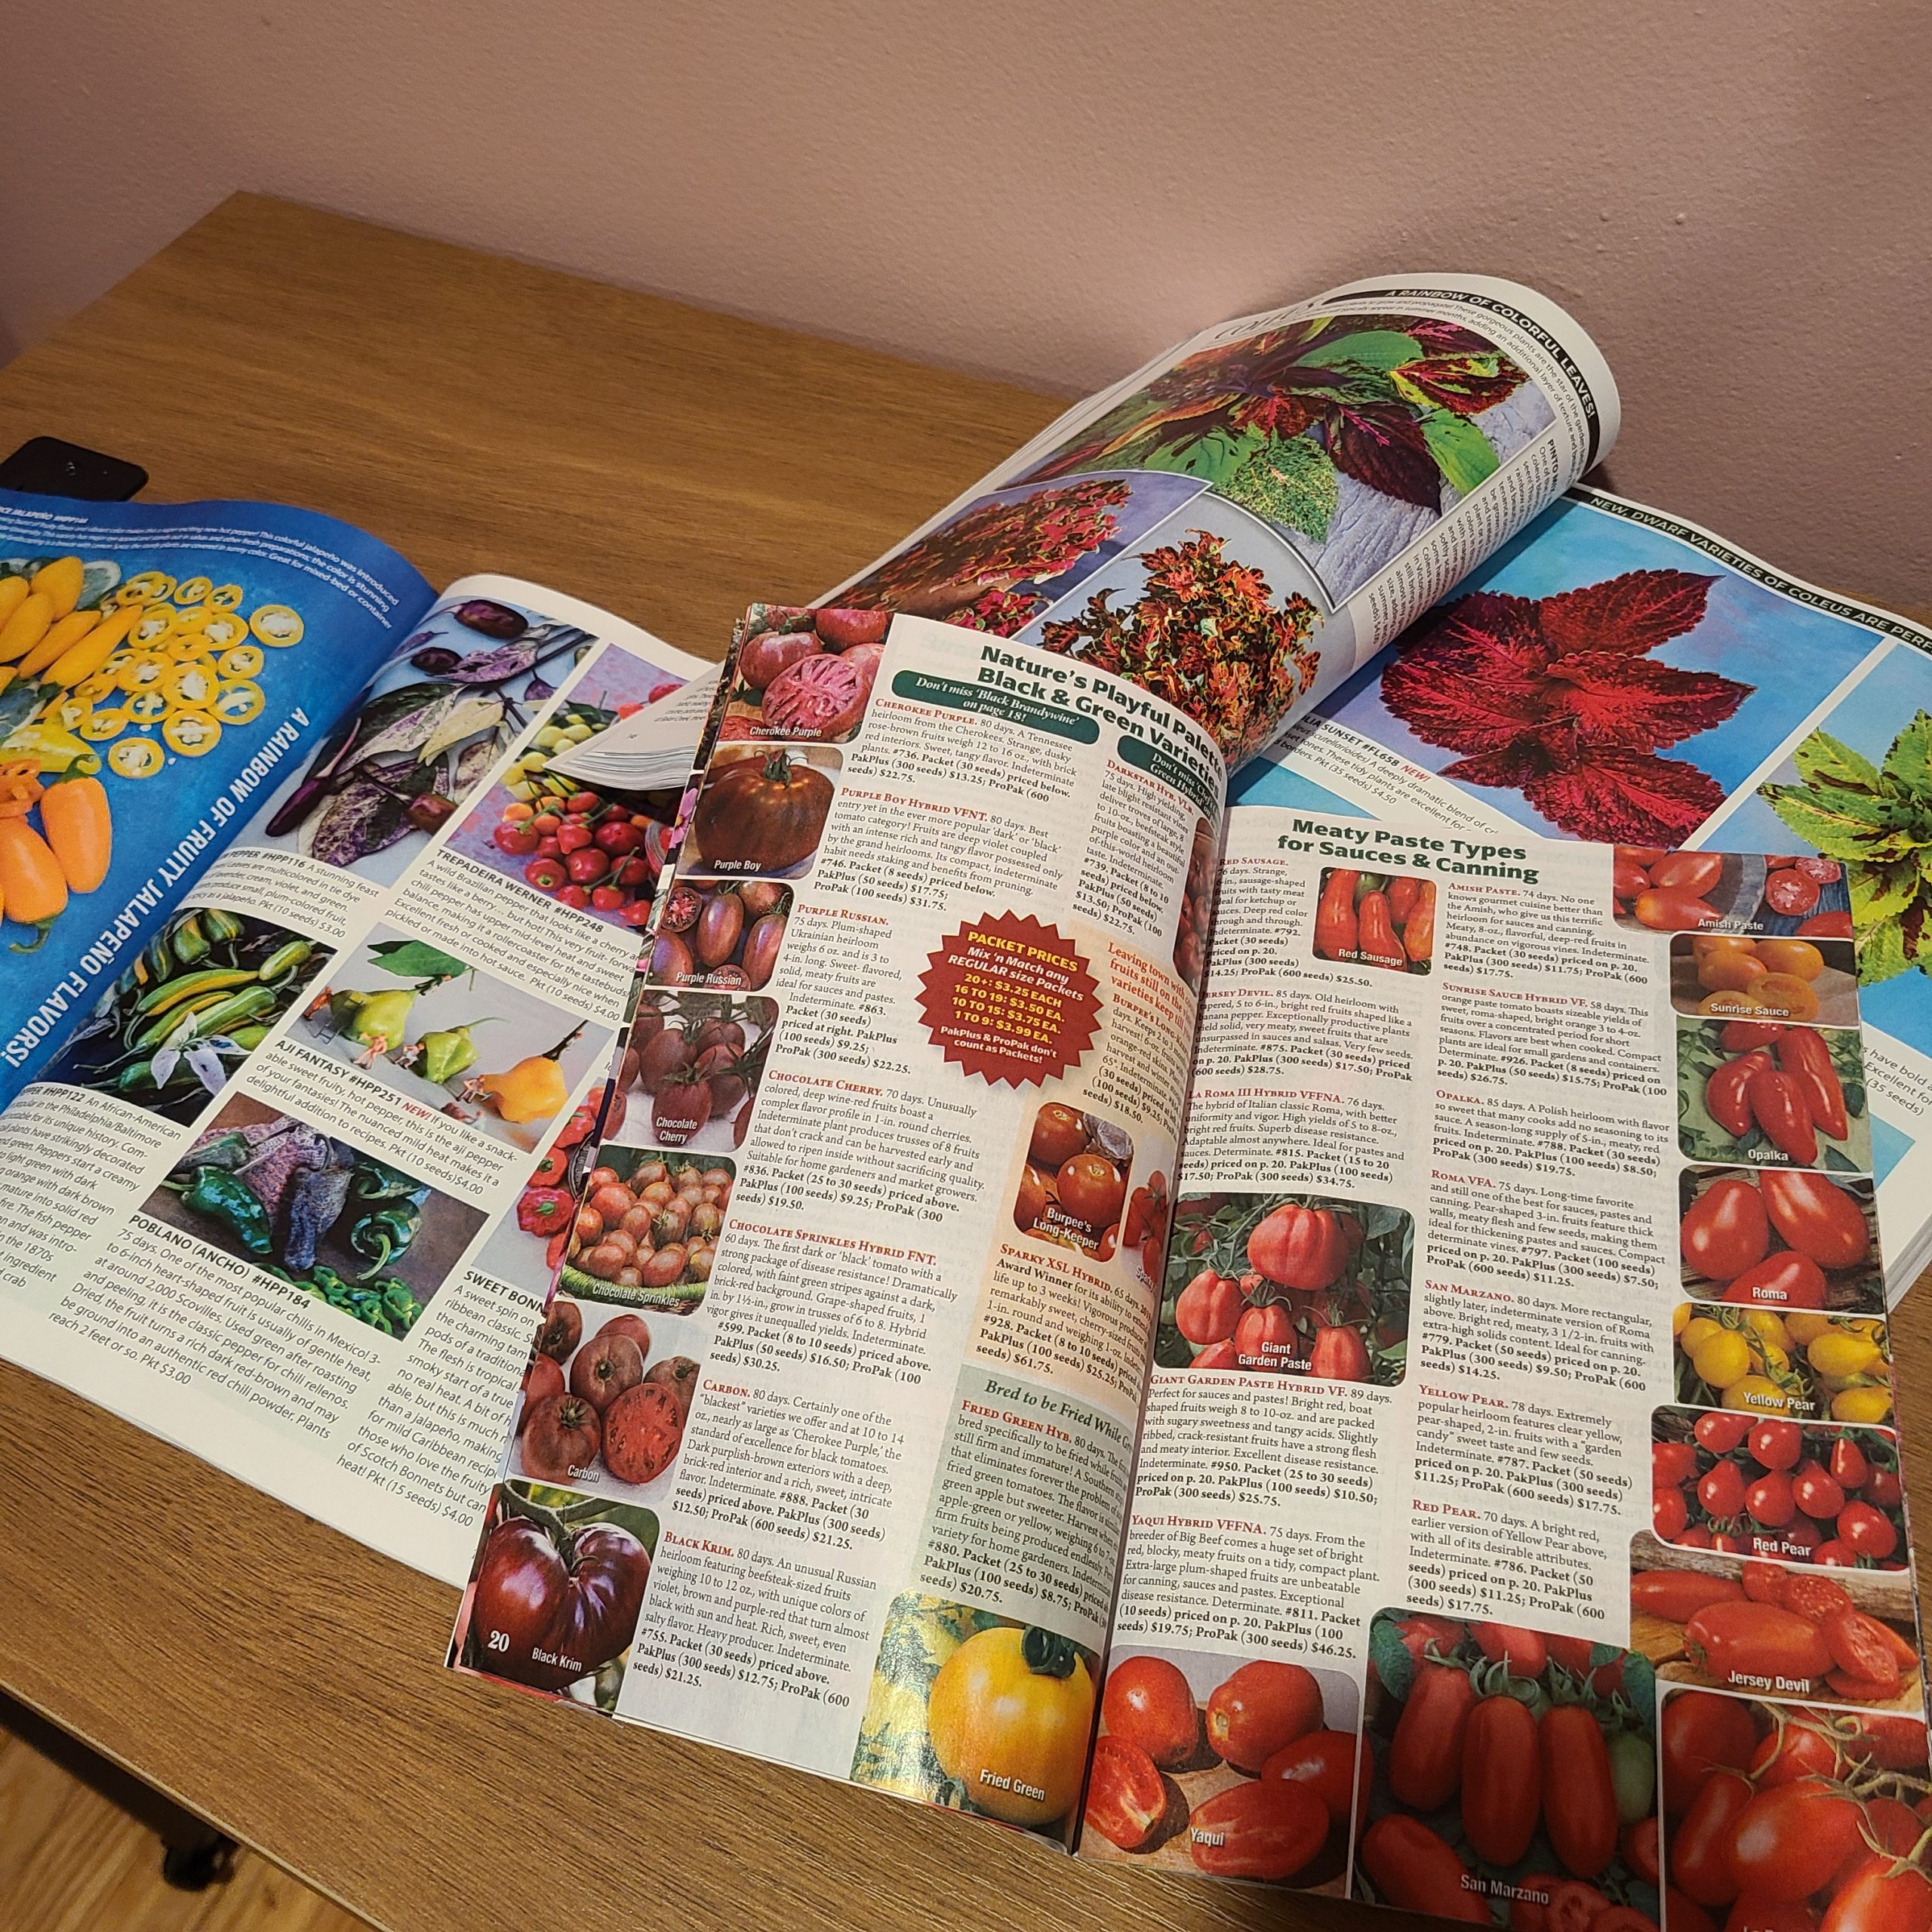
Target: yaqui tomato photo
{"type": "Point", "coordinates": [1240, 1770]}
{"type": "Point", "coordinates": [978, 1712]}
{"type": "Point", "coordinates": [1293, 1284]}
{"type": "Point", "coordinates": [1515, 1776]}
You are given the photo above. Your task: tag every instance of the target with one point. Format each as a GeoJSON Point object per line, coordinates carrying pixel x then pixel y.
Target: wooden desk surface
{"type": "Point", "coordinates": [276, 1677]}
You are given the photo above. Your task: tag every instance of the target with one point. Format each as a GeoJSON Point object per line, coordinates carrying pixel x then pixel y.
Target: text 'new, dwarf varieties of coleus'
{"type": "Point", "coordinates": [1877, 821]}
{"type": "Point", "coordinates": [1557, 697]}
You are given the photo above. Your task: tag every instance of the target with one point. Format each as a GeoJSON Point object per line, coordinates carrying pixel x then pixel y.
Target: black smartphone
{"type": "Point", "coordinates": [48, 467]}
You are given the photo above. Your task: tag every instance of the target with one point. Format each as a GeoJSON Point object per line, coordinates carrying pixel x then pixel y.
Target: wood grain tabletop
{"type": "Point", "coordinates": [286, 1683]}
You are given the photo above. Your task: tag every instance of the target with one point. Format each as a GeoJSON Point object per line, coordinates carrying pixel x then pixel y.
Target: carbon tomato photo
{"type": "Point", "coordinates": [1287, 1284]}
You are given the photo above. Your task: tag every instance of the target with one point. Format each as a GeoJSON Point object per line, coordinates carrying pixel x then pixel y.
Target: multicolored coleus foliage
{"type": "Point", "coordinates": [1271, 420]}
{"type": "Point", "coordinates": [1877, 821]}
{"type": "Point", "coordinates": [967, 571]}
{"type": "Point", "coordinates": [1557, 697]}
{"type": "Point", "coordinates": [1205, 634]}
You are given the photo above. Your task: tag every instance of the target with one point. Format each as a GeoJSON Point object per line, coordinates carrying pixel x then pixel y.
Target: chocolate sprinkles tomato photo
{"type": "Point", "coordinates": [1513, 1777]}
{"type": "Point", "coordinates": [1293, 1284]}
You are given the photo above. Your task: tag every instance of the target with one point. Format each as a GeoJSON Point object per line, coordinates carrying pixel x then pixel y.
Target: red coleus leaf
{"type": "Point", "coordinates": [1382, 445]}
{"type": "Point", "coordinates": [1630, 614]}
{"type": "Point", "coordinates": [1467, 384]}
{"type": "Point", "coordinates": [1554, 696]}
{"type": "Point", "coordinates": [1630, 701]}
{"type": "Point", "coordinates": [1628, 796]}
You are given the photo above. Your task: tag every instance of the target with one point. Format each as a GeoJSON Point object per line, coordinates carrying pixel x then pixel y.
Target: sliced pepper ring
{"type": "Point", "coordinates": [191, 590]}
{"type": "Point", "coordinates": [20, 786]}
{"type": "Point", "coordinates": [190, 687]}
{"type": "Point", "coordinates": [225, 597]}
{"type": "Point", "coordinates": [276, 624]}
{"type": "Point", "coordinates": [193, 733]}
{"type": "Point", "coordinates": [146, 708]}
{"type": "Point", "coordinates": [225, 630]}
{"type": "Point", "coordinates": [155, 625]}
{"type": "Point", "coordinates": [136, 758]}
{"type": "Point", "coordinates": [243, 661]}
{"type": "Point", "coordinates": [239, 703]}
{"type": "Point", "coordinates": [97, 727]}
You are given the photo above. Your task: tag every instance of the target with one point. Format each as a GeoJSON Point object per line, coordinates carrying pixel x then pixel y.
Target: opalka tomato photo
{"type": "Point", "coordinates": [1774, 1487]}
{"type": "Point", "coordinates": [554, 1592]}
{"type": "Point", "coordinates": [1515, 1772]}
{"type": "Point", "coordinates": [1073, 1189]}
{"type": "Point", "coordinates": [1759, 1092]}
{"type": "Point", "coordinates": [1788, 1817]}
{"type": "Point", "coordinates": [1733, 976]}
{"type": "Point", "coordinates": [1293, 1284]}
{"type": "Point", "coordinates": [1846, 1632]}
{"type": "Point", "coordinates": [1239, 1768]}
{"type": "Point", "coordinates": [973, 1710]}
{"type": "Point", "coordinates": [1778, 1238]}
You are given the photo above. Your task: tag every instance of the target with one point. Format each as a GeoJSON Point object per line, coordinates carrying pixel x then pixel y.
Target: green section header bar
{"type": "Point", "coordinates": [1144, 756]}
{"type": "Point", "coordinates": [1010, 707]}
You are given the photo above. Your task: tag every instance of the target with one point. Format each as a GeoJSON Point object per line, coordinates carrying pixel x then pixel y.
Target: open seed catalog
{"type": "Point", "coordinates": [906, 1405]}
{"type": "Point", "coordinates": [1258, 1343]}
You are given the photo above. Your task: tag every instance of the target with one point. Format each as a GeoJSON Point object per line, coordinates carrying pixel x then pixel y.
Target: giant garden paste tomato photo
{"type": "Point", "coordinates": [1287, 1284]}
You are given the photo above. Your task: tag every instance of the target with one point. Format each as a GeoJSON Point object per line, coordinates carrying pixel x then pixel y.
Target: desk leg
{"type": "Point", "coordinates": [194, 1854]}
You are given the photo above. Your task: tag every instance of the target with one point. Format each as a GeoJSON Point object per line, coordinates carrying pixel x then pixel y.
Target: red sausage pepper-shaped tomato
{"type": "Point", "coordinates": [1778, 1107]}
{"type": "Point", "coordinates": [1502, 1780]}
{"type": "Point", "coordinates": [1425, 1755]}
{"type": "Point", "coordinates": [1375, 940]}
{"type": "Point", "coordinates": [1412, 1868]}
{"type": "Point", "coordinates": [1579, 1795]}
{"type": "Point", "coordinates": [1335, 923]}
{"type": "Point", "coordinates": [1804, 1055]}
{"type": "Point", "coordinates": [1816, 1218]}
{"type": "Point", "coordinates": [1724, 1092]}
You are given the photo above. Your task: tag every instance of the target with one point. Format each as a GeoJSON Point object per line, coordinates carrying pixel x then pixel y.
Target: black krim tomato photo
{"type": "Point", "coordinates": [547, 1616]}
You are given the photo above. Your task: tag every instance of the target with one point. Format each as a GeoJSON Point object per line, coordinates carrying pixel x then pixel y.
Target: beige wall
{"type": "Point", "coordinates": [1737, 197]}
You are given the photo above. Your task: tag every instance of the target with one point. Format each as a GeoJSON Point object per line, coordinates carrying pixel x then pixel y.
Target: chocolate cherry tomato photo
{"type": "Point", "coordinates": [1504, 1760]}
{"type": "Point", "coordinates": [1781, 1490]}
{"type": "Point", "coordinates": [1761, 1094]}
{"type": "Point", "coordinates": [556, 1590]}
{"type": "Point", "coordinates": [1236, 1766]}
{"type": "Point", "coordinates": [1312, 1286]}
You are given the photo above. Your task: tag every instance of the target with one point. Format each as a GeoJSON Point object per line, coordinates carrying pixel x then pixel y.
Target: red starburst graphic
{"type": "Point", "coordinates": [1009, 999]}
